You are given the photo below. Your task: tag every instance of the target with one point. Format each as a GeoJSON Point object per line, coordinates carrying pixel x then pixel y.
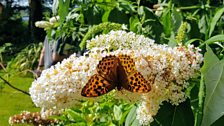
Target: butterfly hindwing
{"type": "Point", "coordinates": [131, 79]}
{"type": "Point", "coordinates": [96, 86]}
{"type": "Point", "coordinates": [137, 83]}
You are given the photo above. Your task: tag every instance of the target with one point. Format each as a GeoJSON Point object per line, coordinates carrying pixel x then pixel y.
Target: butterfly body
{"type": "Point", "coordinates": [115, 73]}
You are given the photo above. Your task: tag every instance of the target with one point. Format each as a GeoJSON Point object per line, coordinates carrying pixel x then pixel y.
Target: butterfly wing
{"type": "Point", "coordinates": [105, 80]}
{"type": "Point", "coordinates": [97, 86]}
{"type": "Point", "coordinates": [130, 78]}
{"type": "Point", "coordinates": [127, 63]}
{"type": "Point", "coordinates": [137, 83]}
{"type": "Point", "coordinates": [107, 68]}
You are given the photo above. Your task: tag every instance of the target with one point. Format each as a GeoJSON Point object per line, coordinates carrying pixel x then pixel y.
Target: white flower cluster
{"type": "Point", "coordinates": [43, 24]}
{"type": "Point", "coordinates": [31, 118]}
{"type": "Point", "coordinates": [45, 114]}
{"type": "Point", "coordinates": [169, 69]}
{"type": "Point", "coordinates": [47, 24]}
{"type": "Point", "coordinates": [60, 86]}
{"type": "Point", "coordinates": [120, 40]}
{"type": "Point", "coordinates": [166, 69]}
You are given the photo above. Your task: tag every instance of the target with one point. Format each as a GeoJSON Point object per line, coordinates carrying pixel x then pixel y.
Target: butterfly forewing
{"type": "Point", "coordinates": [96, 86]}
{"type": "Point", "coordinates": [107, 68]}
{"type": "Point", "coordinates": [127, 63]}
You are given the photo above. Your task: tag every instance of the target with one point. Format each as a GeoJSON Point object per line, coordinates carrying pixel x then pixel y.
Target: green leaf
{"type": "Point", "coordinates": [176, 19]}
{"type": "Point", "coordinates": [172, 41]}
{"type": "Point", "coordinates": [167, 22]}
{"type": "Point", "coordinates": [210, 59]}
{"type": "Point", "coordinates": [149, 24]}
{"type": "Point", "coordinates": [77, 124]}
{"type": "Point", "coordinates": [74, 116]}
{"type": "Point", "coordinates": [117, 112]}
{"type": "Point", "coordinates": [131, 116]}
{"type": "Point", "coordinates": [141, 10]}
{"type": "Point", "coordinates": [217, 38]}
{"type": "Point", "coordinates": [183, 115]}
{"type": "Point", "coordinates": [127, 6]}
{"type": "Point", "coordinates": [133, 21]}
{"type": "Point", "coordinates": [106, 26]}
{"type": "Point", "coordinates": [122, 120]}
{"type": "Point", "coordinates": [217, 16]}
{"type": "Point", "coordinates": [136, 123]}
{"type": "Point", "coordinates": [111, 124]}
{"type": "Point", "coordinates": [213, 71]}
{"type": "Point", "coordinates": [192, 40]}
{"type": "Point", "coordinates": [180, 115]}
{"type": "Point", "coordinates": [63, 9]}
{"type": "Point", "coordinates": [219, 122]}
{"type": "Point", "coordinates": [202, 24]}
{"type": "Point", "coordinates": [105, 16]}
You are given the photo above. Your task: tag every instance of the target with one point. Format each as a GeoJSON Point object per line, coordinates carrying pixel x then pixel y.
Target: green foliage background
{"type": "Point", "coordinates": [197, 22]}
{"type": "Point", "coordinates": [168, 22]}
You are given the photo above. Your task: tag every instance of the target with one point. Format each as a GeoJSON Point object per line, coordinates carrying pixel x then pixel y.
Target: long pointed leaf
{"type": "Point", "coordinates": [63, 9]}
{"type": "Point", "coordinates": [167, 22]}
{"type": "Point", "coordinates": [131, 116]}
{"type": "Point", "coordinates": [217, 38]}
{"type": "Point", "coordinates": [217, 16]}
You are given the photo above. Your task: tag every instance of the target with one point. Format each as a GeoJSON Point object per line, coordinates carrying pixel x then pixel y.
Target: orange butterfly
{"type": "Point", "coordinates": [115, 72]}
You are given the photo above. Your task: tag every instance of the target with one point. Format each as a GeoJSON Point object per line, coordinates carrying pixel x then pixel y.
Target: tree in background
{"type": "Point", "coordinates": [13, 28]}
{"type": "Point", "coordinates": [35, 14]}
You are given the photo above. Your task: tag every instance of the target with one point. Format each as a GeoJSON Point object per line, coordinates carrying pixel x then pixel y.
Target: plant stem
{"type": "Point", "coordinates": [201, 95]}
{"type": "Point", "coordinates": [188, 8]}
{"type": "Point", "coordinates": [14, 87]}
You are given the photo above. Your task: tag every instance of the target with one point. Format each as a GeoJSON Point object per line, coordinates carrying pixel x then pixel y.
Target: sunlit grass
{"type": "Point", "coordinates": [13, 102]}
